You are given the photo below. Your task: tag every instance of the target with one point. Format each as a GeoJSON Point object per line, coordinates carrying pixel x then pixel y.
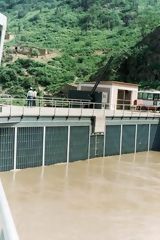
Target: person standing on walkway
{"type": "Point", "coordinates": [30, 97]}
{"type": "Point", "coordinates": [34, 97]}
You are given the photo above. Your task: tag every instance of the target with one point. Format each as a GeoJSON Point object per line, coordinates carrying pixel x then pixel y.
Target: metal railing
{"type": "Point", "coordinates": [7, 228]}
{"type": "Point", "coordinates": [52, 102]}
{"type": "Point", "coordinates": [121, 109]}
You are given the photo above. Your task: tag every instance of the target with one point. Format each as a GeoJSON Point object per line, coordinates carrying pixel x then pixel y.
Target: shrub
{"type": "Point", "coordinates": [35, 52]}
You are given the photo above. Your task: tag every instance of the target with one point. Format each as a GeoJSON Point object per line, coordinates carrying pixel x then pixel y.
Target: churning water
{"type": "Point", "coordinates": [113, 198]}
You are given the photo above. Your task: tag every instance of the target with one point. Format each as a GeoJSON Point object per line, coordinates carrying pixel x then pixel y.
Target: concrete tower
{"type": "Point", "coordinates": [3, 25]}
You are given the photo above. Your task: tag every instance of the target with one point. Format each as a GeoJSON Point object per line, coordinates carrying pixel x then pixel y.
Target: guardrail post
{"type": "Point", "coordinates": [55, 104]}
{"type": "Point", "coordinates": [23, 111]}
{"type": "Point", "coordinates": [10, 114]}
{"type": "Point", "coordinates": [93, 108]}
{"type": "Point", "coordinates": [155, 112]}
{"type": "Point", "coordinates": [123, 110]}
{"type": "Point", "coordinates": [39, 111]}
{"type": "Point", "coordinates": [147, 112]}
{"type": "Point", "coordinates": [131, 108]}
{"type": "Point", "coordinates": [114, 112]}
{"type": "Point", "coordinates": [140, 111]}
{"type": "Point", "coordinates": [68, 108]}
{"type": "Point", "coordinates": [81, 106]}
{"type": "Point", "coordinates": [104, 109]}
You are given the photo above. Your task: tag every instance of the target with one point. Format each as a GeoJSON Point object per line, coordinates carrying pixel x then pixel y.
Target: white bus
{"type": "Point", "coordinates": [148, 100]}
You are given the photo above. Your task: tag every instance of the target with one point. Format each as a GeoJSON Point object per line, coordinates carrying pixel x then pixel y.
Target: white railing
{"type": "Point", "coordinates": [7, 227]}
{"type": "Point", "coordinates": [39, 107]}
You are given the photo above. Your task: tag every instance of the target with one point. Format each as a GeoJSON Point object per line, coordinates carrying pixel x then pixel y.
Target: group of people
{"type": "Point", "coordinates": [31, 97]}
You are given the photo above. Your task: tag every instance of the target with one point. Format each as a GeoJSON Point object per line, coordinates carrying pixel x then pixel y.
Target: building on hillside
{"type": "Point", "coordinates": [117, 95]}
{"type": "Point", "coordinates": [3, 26]}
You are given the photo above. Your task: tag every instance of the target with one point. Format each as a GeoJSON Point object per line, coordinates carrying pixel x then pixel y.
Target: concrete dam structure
{"type": "Point", "coordinates": [40, 136]}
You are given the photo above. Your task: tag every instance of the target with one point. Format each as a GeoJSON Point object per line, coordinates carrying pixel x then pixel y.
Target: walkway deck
{"type": "Point", "coordinates": [18, 111]}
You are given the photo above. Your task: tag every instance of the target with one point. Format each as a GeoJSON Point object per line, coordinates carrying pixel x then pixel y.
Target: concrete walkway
{"type": "Point", "coordinates": [99, 115]}
{"type": "Point", "coordinates": [12, 111]}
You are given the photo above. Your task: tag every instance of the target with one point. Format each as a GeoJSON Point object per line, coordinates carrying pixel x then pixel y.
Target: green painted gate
{"type": "Point", "coordinates": [79, 140]}
{"type": "Point", "coordinates": [142, 137]}
{"type": "Point", "coordinates": [56, 145]}
{"type": "Point", "coordinates": [6, 149]}
{"type": "Point", "coordinates": [112, 144]}
{"type": "Point", "coordinates": [29, 147]}
{"type": "Point", "coordinates": [128, 139]}
{"type": "Point", "coordinates": [155, 137]}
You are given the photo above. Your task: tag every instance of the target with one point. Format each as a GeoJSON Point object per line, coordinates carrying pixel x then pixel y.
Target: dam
{"type": "Point", "coordinates": [66, 130]}
{"type": "Point", "coordinates": [40, 136]}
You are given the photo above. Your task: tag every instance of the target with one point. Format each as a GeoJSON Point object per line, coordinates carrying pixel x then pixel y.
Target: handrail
{"type": "Point", "coordinates": [123, 109]}
{"type": "Point", "coordinates": [43, 102]}
{"type": "Point", "coordinates": [8, 227]}
{"type": "Point", "coordinates": [64, 99]}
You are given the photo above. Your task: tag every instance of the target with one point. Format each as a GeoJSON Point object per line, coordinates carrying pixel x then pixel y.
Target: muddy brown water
{"type": "Point", "coordinates": [113, 198]}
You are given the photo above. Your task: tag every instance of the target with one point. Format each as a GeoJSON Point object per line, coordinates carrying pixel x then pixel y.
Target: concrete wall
{"type": "Point", "coordinates": [3, 26]}
{"type": "Point", "coordinates": [38, 142]}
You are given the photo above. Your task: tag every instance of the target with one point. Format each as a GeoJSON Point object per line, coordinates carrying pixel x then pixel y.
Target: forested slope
{"type": "Point", "coordinates": [86, 33]}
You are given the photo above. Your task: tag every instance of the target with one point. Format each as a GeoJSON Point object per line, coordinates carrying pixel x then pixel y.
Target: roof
{"type": "Point", "coordinates": [114, 83]}
{"type": "Point", "coordinates": [69, 86]}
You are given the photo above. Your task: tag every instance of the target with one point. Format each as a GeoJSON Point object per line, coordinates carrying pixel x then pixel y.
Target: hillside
{"type": "Point", "coordinates": [85, 33]}
{"type": "Point", "coordinates": [143, 66]}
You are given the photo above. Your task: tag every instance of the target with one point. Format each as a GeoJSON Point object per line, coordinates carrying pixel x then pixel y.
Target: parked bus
{"type": "Point", "coordinates": [148, 100]}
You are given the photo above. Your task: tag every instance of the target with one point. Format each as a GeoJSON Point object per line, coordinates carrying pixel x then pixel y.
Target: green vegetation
{"type": "Point", "coordinates": [85, 32]}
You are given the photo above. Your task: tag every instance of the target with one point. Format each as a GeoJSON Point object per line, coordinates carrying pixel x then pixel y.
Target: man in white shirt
{"type": "Point", "coordinates": [30, 97]}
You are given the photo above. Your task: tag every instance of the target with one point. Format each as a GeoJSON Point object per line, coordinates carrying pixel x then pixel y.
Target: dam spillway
{"type": "Point", "coordinates": [39, 136]}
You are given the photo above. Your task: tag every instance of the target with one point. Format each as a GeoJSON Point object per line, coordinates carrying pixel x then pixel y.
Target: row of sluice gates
{"type": "Point", "coordinates": [63, 143]}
